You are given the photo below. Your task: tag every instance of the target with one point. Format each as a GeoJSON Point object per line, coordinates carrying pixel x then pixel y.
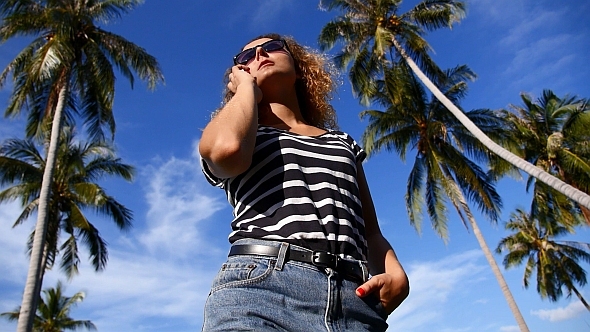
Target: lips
{"type": "Point", "coordinates": [264, 63]}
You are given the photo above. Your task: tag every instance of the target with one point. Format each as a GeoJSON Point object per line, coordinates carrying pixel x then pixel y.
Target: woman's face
{"type": "Point", "coordinates": [274, 66]}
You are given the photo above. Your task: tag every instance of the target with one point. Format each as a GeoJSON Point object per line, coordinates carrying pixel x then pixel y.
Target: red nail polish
{"type": "Point", "coordinates": [361, 291]}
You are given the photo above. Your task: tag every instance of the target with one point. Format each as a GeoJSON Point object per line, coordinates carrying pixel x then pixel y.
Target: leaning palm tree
{"type": "Point", "coordinates": [554, 133]}
{"type": "Point", "coordinates": [53, 313]}
{"type": "Point", "coordinates": [554, 262]}
{"type": "Point", "coordinates": [74, 190]}
{"type": "Point", "coordinates": [68, 66]}
{"type": "Point", "coordinates": [446, 166]}
{"type": "Point", "coordinates": [375, 34]}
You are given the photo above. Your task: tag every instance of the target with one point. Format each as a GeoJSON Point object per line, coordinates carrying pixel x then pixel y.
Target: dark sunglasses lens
{"type": "Point", "coordinates": [245, 56]}
{"type": "Point", "coordinates": [273, 45]}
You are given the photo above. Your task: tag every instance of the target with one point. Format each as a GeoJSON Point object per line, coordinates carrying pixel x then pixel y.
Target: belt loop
{"type": "Point", "coordinates": [365, 271]}
{"type": "Point", "coordinates": [282, 257]}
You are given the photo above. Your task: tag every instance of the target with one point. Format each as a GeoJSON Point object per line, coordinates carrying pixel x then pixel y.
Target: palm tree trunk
{"type": "Point", "coordinates": [581, 298]}
{"type": "Point", "coordinates": [496, 270]}
{"type": "Point", "coordinates": [564, 188]}
{"type": "Point", "coordinates": [490, 258]}
{"type": "Point", "coordinates": [34, 282]}
{"type": "Point", "coordinates": [42, 270]}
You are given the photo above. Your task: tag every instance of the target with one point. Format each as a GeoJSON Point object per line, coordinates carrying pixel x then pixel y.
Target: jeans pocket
{"type": "Point", "coordinates": [374, 303]}
{"type": "Point", "coordinates": [241, 271]}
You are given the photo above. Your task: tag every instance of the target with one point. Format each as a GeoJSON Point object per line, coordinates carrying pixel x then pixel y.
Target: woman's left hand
{"type": "Point", "coordinates": [391, 289]}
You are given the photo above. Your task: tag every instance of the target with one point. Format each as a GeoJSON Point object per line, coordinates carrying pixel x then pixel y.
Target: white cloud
{"type": "Point", "coordinates": [137, 288]}
{"type": "Point", "coordinates": [522, 32]}
{"type": "Point", "coordinates": [169, 274]}
{"type": "Point", "coordinates": [269, 10]}
{"type": "Point", "coordinates": [531, 37]}
{"type": "Point", "coordinates": [498, 12]}
{"type": "Point", "coordinates": [157, 278]}
{"type": "Point", "coordinates": [431, 284]}
{"type": "Point", "coordinates": [572, 310]}
{"type": "Point", "coordinates": [481, 301]}
{"type": "Point", "coordinates": [540, 50]}
{"type": "Point", "coordinates": [13, 260]}
{"type": "Point", "coordinates": [542, 61]}
{"type": "Point", "coordinates": [180, 201]}
{"type": "Point", "coordinates": [512, 328]}
{"type": "Point", "coordinates": [262, 15]}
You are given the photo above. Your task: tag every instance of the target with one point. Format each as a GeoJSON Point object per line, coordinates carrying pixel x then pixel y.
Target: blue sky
{"type": "Point", "coordinates": [159, 273]}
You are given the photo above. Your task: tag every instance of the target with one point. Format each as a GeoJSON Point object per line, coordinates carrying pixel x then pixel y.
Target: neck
{"type": "Point", "coordinates": [280, 112]}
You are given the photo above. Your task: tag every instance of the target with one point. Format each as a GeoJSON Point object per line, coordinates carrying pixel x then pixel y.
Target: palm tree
{"type": "Point", "coordinates": [53, 313]}
{"type": "Point", "coordinates": [555, 262]}
{"type": "Point", "coordinates": [555, 135]}
{"type": "Point", "coordinates": [74, 190]}
{"type": "Point", "coordinates": [375, 34]}
{"type": "Point", "coordinates": [69, 64]}
{"type": "Point", "coordinates": [443, 171]}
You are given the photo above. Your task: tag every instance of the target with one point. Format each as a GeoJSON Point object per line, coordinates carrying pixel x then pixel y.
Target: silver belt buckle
{"type": "Point", "coordinates": [324, 259]}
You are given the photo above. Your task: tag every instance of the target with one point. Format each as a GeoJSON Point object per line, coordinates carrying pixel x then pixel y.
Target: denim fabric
{"type": "Point", "coordinates": [254, 293]}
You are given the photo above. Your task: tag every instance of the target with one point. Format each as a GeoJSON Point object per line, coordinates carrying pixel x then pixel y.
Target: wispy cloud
{"type": "Point", "coordinates": [529, 24]}
{"type": "Point", "coordinates": [270, 9]}
{"type": "Point", "coordinates": [538, 54]}
{"type": "Point", "coordinates": [498, 12]}
{"type": "Point", "coordinates": [13, 244]}
{"type": "Point", "coordinates": [572, 310]}
{"type": "Point", "coordinates": [179, 203]}
{"type": "Point", "coordinates": [431, 284]}
{"type": "Point", "coordinates": [13, 260]}
{"type": "Point", "coordinates": [542, 61]}
{"type": "Point", "coordinates": [261, 15]}
{"type": "Point", "coordinates": [163, 271]}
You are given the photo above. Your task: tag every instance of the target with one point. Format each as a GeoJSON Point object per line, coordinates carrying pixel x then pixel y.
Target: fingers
{"type": "Point", "coordinates": [391, 290]}
{"type": "Point", "coordinates": [239, 74]}
{"type": "Point", "coordinates": [369, 287]}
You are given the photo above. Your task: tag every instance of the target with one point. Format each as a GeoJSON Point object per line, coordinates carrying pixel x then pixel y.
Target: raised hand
{"type": "Point", "coordinates": [239, 75]}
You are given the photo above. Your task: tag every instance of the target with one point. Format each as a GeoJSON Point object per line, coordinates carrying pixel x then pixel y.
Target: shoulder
{"type": "Point", "coordinates": [354, 146]}
{"type": "Point", "coordinates": [344, 137]}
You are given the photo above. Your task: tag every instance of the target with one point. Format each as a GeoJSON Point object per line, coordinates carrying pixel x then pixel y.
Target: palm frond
{"type": "Point", "coordinates": [127, 56]}
{"type": "Point", "coordinates": [70, 259]}
{"type": "Point", "coordinates": [415, 193]}
{"type": "Point", "coordinates": [79, 165]}
{"type": "Point", "coordinates": [437, 14]}
{"type": "Point", "coordinates": [435, 197]}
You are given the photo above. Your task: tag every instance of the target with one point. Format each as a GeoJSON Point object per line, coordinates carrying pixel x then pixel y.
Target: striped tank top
{"type": "Point", "coordinates": [301, 190]}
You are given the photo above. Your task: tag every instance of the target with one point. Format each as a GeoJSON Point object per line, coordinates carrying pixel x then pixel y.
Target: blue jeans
{"type": "Point", "coordinates": [255, 293]}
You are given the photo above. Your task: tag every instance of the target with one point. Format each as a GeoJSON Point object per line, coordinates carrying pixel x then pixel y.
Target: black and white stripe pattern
{"type": "Point", "coordinates": [301, 190]}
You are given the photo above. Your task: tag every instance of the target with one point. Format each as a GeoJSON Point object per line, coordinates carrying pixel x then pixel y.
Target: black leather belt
{"type": "Point", "coordinates": [351, 270]}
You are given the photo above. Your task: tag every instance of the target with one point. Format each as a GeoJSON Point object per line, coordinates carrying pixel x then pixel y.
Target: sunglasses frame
{"type": "Point", "coordinates": [285, 47]}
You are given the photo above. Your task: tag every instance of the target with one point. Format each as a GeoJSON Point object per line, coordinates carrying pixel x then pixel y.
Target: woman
{"type": "Point", "coordinates": [305, 235]}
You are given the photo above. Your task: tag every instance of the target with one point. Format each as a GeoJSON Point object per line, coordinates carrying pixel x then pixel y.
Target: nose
{"type": "Point", "coordinates": [260, 52]}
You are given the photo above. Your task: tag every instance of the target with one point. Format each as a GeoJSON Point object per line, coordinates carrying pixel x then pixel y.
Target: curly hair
{"type": "Point", "coordinates": [314, 86]}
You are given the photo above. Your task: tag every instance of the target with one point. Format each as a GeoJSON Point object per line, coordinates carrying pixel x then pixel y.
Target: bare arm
{"type": "Point", "coordinates": [228, 141]}
{"type": "Point", "coordinates": [389, 280]}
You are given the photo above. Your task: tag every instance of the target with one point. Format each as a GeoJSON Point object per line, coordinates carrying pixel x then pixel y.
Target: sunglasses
{"type": "Point", "coordinates": [270, 46]}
